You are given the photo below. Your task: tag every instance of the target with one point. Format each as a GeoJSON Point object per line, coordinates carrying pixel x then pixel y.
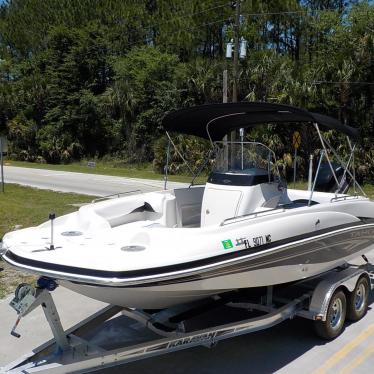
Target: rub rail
{"type": "Point", "coordinates": [119, 194]}
{"type": "Point", "coordinates": [244, 217]}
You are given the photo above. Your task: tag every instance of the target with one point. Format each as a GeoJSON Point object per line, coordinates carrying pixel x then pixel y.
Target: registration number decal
{"type": "Point", "coordinates": [254, 241]}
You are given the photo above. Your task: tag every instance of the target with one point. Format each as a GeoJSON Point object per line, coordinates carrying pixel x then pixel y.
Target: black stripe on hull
{"type": "Point", "coordinates": [324, 250]}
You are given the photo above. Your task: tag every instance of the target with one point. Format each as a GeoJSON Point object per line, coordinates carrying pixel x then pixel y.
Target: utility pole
{"type": "Point", "coordinates": [235, 67]}
{"type": "Point", "coordinates": [236, 52]}
{"type": "Point", "coordinates": [224, 96]}
{"type": "Point", "coordinates": [224, 100]}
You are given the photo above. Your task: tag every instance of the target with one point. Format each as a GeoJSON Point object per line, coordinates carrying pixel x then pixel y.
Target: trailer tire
{"type": "Point", "coordinates": [335, 318]}
{"type": "Point", "coordinates": [358, 300]}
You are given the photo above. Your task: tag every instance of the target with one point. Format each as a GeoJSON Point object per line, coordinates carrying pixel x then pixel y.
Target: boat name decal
{"type": "Point", "coordinates": [193, 339]}
{"type": "Point", "coordinates": [365, 232]}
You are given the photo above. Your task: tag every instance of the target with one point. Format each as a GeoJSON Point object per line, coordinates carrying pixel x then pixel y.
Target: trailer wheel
{"type": "Point", "coordinates": [336, 312]}
{"type": "Point", "coordinates": [358, 300]}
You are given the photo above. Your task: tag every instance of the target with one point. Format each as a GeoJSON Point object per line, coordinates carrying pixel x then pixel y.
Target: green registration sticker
{"type": "Point", "coordinates": [227, 244]}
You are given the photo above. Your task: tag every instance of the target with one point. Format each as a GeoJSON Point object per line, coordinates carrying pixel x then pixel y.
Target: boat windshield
{"type": "Point", "coordinates": [245, 158]}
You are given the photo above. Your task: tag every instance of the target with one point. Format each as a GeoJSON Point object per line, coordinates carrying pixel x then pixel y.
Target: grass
{"type": "Point", "coordinates": [369, 190]}
{"type": "Point", "coordinates": [24, 207]}
{"type": "Point", "coordinates": [144, 171]}
{"type": "Point", "coordinates": [28, 206]}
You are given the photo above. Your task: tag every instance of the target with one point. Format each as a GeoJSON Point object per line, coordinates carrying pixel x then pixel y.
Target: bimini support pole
{"type": "Point", "coordinates": [346, 168]}
{"type": "Point", "coordinates": [310, 174]}
{"type": "Point", "coordinates": [241, 131]}
{"type": "Point", "coordinates": [179, 154]}
{"type": "Point", "coordinates": [202, 167]}
{"type": "Point", "coordinates": [344, 165]}
{"type": "Point", "coordinates": [315, 178]}
{"type": "Point", "coordinates": [353, 163]}
{"type": "Point", "coordinates": [326, 154]}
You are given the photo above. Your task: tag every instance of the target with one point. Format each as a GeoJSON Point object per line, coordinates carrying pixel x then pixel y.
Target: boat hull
{"type": "Point", "coordinates": [157, 297]}
{"type": "Point", "coordinates": [281, 264]}
{"type": "Point", "coordinates": [281, 261]}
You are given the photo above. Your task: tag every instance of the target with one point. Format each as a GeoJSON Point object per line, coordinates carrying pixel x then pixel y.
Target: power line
{"type": "Point", "coordinates": [209, 24]}
{"type": "Point", "coordinates": [344, 82]}
{"type": "Point", "coordinates": [273, 13]}
{"type": "Point", "coordinates": [289, 12]}
{"type": "Point", "coordinates": [189, 29]}
{"type": "Point", "coordinates": [188, 14]}
{"type": "Point", "coordinates": [226, 19]}
{"type": "Point", "coordinates": [242, 13]}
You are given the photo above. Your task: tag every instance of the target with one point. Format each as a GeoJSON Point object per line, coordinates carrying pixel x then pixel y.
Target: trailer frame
{"type": "Point", "coordinates": [69, 351]}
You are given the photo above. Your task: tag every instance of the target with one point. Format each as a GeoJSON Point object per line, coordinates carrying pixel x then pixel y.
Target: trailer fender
{"type": "Point", "coordinates": [345, 279]}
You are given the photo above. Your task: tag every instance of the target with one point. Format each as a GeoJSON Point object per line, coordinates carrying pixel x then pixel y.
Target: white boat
{"type": "Point", "coordinates": [244, 228]}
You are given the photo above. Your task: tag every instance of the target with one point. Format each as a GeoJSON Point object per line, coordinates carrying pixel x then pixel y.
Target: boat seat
{"type": "Point", "coordinates": [272, 203]}
{"type": "Point", "coordinates": [134, 217]}
{"type": "Point", "coordinates": [118, 213]}
{"type": "Point", "coordinates": [188, 206]}
{"type": "Point", "coordinates": [169, 214]}
{"type": "Point", "coordinates": [264, 195]}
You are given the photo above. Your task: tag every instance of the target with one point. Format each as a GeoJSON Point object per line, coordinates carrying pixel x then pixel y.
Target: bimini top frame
{"type": "Point", "coordinates": [214, 121]}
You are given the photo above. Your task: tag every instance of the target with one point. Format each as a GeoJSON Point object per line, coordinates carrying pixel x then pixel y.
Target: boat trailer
{"type": "Point", "coordinates": [88, 346]}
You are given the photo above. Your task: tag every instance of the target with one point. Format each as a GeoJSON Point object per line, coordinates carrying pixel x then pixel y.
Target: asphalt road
{"type": "Point", "coordinates": [82, 183]}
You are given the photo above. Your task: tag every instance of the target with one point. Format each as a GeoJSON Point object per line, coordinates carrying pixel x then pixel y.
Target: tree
{"type": "Point", "coordinates": [92, 78]}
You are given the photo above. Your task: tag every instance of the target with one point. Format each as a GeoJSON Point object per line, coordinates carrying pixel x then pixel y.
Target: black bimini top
{"type": "Point", "coordinates": [223, 118]}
